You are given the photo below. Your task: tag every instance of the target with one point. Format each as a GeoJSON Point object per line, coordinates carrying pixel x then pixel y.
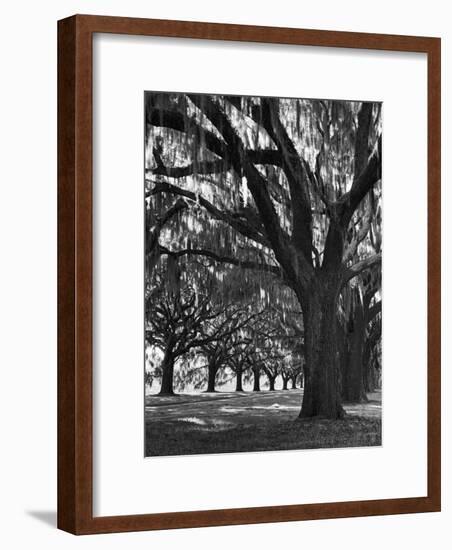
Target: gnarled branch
{"type": "Point", "coordinates": [362, 184]}
{"type": "Point", "coordinates": [245, 264]}
{"type": "Point", "coordinates": [361, 266]}
{"type": "Point", "coordinates": [228, 217]}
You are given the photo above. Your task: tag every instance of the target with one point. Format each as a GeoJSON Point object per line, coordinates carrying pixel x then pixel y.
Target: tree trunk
{"type": "Point", "coordinates": [239, 382]}
{"type": "Point", "coordinates": [368, 374]}
{"type": "Point", "coordinates": [343, 342]}
{"type": "Point", "coordinates": [372, 380]}
{"type": "Point", "coordinates": [271, 383]}
{"type": "Point", "coordinates": [211, 375]}
{"type": "Point", "coordinates": [353, 372]}
{"type": "Point", "coordinates": [322, 384]}
{"type": "Point", "coordinates": [257, 377]}
{"type": "Point", "coordinates": [167, 374]}
{"type": "Point", "coordinates": [294, 383]}
{"type": "Point", "coordinates": [369, 378]}
{"type": "Point", "coordinates": [284, 386]}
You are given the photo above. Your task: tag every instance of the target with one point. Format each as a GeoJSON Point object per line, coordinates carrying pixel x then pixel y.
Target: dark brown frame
{"type": "Point", "coordinates": [75, 420]}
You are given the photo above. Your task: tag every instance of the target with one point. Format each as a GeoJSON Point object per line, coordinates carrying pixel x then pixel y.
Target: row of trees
{"type": "Point", "coordinates": [190, 327]}
{"type": "Point", "coordinates": [212, 343]}
{"type": "Point", "coordinates": [279, 199]}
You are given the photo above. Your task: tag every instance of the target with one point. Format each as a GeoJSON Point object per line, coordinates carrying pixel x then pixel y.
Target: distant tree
{"type": "Point", "coordinates": [290, 373]}
{"type": "Point", "coordinates": [182, 317]}
{"type": "Point", "coordinates": [216, 354]}
{"type": "Point", "coordinates": [372, 355]}
{"type": "Point", "coordinates": [220, 351]}
{"type": "Point", "coordinates": [272, 371]}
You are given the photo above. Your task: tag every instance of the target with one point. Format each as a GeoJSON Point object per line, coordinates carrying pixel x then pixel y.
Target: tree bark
{"type": "Point", "coordinates": [294, 383]}
{"type": "Point", "coordinates": [211, 375]}
{"type": "Point", "coordinates": [322, 385]}
{"type": "Point", "coordinates": [271, 383]}
{"type": "Point", "coordinates": [369, 377]}
{"type": "Point", "coordinates": [354, 365]}
{"type": "Point", "coordinates": [353, 382]}
{"type": "Point", "coordinates": [167, 374]}
{"type": "Point", "coordinates": [256, 384]}
{"type": "Point", "coordinates": [285, 381]}
{"type": "Point", "coordinates": [239, 381]}
{"type": "Point", "coordinates": [371, 382]}
{"type": "Point", "coordinates": [302, 380]}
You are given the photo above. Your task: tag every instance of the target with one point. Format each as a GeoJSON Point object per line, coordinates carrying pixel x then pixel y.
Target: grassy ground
{"type": "Point", "coordinates": [239, 422]}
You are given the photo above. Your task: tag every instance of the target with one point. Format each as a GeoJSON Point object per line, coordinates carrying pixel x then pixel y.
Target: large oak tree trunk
{"type": "Point", "coordinates": [322, 385]}
{"type": "Point", "coordinates": [167, 374]}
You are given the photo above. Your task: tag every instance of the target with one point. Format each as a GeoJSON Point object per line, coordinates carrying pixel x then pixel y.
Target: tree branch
{"type": "Point", "coordinates": [362, 184]}
{"type": "Point", "coordinates": [228, 217]}
{"type": "Point", "coordinates": [362, 137]}
{"type": "Point", "coordinates": [264, 156]}
{"type": "Point", "coordinates": [245, 264]}
{"type": "Point", "coordinates": [361, 266]}
{"type": "Point", "coordinates": [153, 232]}
{"type": "Point", "coordinates": [206, 167]}
{"type": "Point", "coordinates": [177, 121]}
{"type": "Point", "coordinates": [359, 236]}
{"type": "Point", "coordinates": [296, 174]}
{"type": "Point", "coordinates": [255, 181]}
{"type": "Point", "coordinates": [374, 311]}
{"type": "Point", "coordinates": [218, 335]}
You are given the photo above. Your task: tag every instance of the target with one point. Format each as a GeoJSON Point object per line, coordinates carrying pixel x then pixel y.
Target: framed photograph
{"type": "Point", "coordinates": [249, 274]}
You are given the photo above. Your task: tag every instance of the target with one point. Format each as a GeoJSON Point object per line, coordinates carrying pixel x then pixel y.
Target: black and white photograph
{"type": "Point", "coordinates": [263, 251]}
{"type": "Point", "coordinates": [196, 200]}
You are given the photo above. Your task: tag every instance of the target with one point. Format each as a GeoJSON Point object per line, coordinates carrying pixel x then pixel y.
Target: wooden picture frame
{"type": "Point", "coordinates": [75, 278]}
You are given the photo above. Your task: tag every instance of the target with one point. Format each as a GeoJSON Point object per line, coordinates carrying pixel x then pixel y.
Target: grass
{"type": "Point", "coordinates": [186, 425]}
{"type": "Point", "coordinates": [183, 438]}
